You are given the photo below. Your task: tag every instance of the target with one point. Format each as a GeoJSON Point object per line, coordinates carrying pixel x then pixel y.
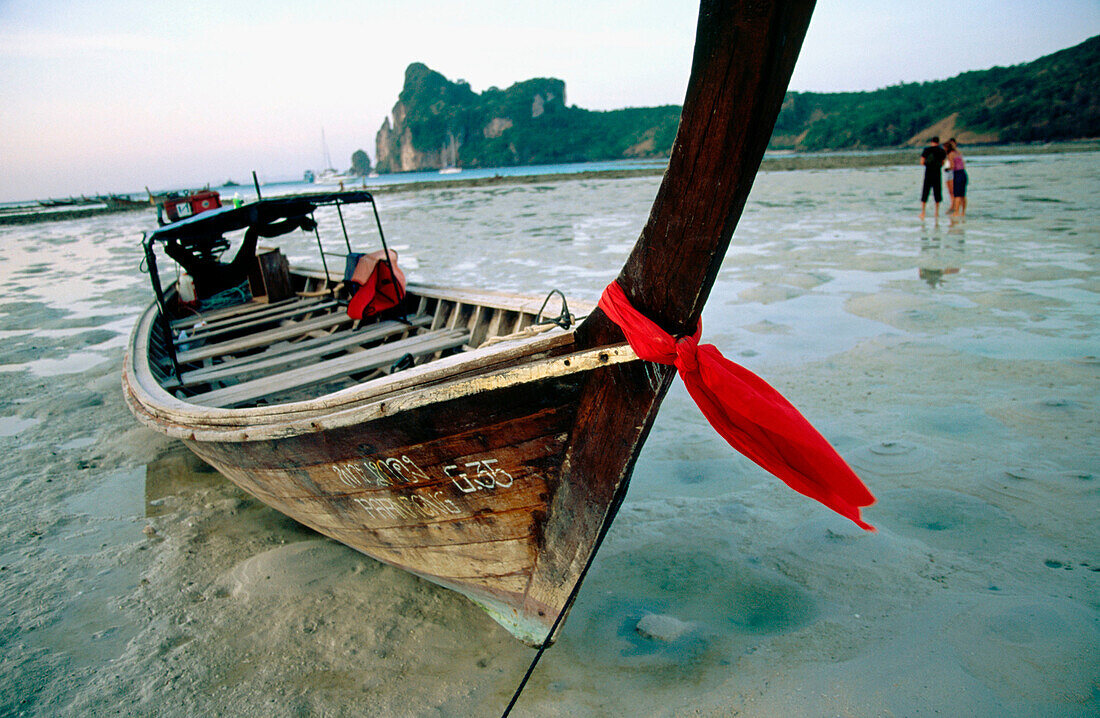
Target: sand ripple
{"type": "Point", "coordinates": [1011, 646]}
{"type": "Point", "coordinates": [286, 571]}
{"type": "Point", "coordinates": [947, 519]}
{"type": "Point", "coordinates": [893, 457]}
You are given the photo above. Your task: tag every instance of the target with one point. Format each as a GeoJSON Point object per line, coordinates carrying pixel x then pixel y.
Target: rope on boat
{"type": "Point", "coordinates": [524, 333]}
{"type": "Point", "coordinates": [227, 297]}
{"type": "Point", "coordinates": [563, 320]}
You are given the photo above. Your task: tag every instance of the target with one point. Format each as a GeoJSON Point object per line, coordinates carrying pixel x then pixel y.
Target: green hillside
{"type": "Point", "coordinates": [1056, 97]}
{"type": "Point", "coordinates": [437, 122]}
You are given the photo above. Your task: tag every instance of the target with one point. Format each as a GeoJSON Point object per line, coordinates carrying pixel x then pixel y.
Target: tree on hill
{"type": "Point", "coordinates": [360, 163]}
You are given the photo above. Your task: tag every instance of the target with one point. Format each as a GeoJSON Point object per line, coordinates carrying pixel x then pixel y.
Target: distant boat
{"type": "Point", "coordinates": [118, 202]}
{"type": "Point", "coordinates": [62, 202]}
{"type": "Point", "coordinates": [329, 175]}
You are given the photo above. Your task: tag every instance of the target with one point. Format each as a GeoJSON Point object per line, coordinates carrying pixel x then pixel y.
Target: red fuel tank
{"type": "Point", "coordinates": [183, 207]}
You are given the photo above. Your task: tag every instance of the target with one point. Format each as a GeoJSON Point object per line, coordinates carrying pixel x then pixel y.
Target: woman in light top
{"type": "Point", "coordinates": [957, 184]}
{"type": "Point", "coordinates": [949, 178]}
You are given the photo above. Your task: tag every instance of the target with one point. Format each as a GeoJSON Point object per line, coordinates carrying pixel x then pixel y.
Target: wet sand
{"type": "Point", "coordinates": [953, 364]}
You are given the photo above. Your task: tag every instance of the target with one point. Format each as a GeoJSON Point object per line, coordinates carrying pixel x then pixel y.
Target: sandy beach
{"type": "Point", "coordinates": [954, 364]}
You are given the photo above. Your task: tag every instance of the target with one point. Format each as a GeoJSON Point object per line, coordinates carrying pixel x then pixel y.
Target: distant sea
{"type": "Point", "coordinates": [247, 191]}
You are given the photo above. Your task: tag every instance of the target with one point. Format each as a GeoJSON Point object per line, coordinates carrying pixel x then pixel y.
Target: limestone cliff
{"type": "Point", "coordinates": [437, 123]}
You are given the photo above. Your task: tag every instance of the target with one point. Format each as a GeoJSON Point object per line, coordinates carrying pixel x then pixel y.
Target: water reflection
{"type": "Point", "coordinates": [174, 473]}
{"type": "Point", "coordinates": [941, 254]}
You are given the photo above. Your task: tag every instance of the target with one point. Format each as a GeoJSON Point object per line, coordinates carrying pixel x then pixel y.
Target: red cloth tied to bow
{"type": "Point", "coordinates": [751, 415]}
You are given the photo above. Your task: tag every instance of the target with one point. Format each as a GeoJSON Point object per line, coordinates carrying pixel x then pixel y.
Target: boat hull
{"type": "Point", "coordinates": [495, 484]}
{"type": "Point", "coordinates": [455, 492]}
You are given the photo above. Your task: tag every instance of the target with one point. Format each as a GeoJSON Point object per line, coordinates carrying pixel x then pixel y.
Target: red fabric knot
{"type": "Point", "coordinates": [687, 350]}
{"type": "Point", "coordinates": [747, 411]}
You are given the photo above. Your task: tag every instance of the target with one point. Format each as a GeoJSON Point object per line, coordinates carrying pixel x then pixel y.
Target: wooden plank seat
{"type": "Point", "coordinates": [378, 357]}
{"type": "Point", "coordinates": [259, 339]}
{"type": "Point", "coordinates": [260, 310]}
{"type": "Point", "coordinates": [229, 312]}
{"type": "Point", "coordinates": [384, 330]}
{"type": "Point", "coordinates": [279, 356]}
{"type": "Point", "coordinates": [252, 321]}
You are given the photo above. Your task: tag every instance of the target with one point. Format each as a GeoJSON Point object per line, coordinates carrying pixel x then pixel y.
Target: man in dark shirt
{"type": "Point", "coordinates": [932, 158]}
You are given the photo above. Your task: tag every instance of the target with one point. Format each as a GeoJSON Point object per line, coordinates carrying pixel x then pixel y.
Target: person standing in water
{"type": "Point", "coordinates": [958, 170]}
{"type": "Point", "coordinates": [932, 159]}
{"type": "Point", "coordinates": [948, 178]}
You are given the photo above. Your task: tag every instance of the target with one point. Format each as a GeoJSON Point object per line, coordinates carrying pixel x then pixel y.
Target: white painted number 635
{"type": "Point", "coordinates": [484, 476]}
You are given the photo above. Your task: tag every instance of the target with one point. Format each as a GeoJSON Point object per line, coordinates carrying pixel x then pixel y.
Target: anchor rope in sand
{"type": "Point", "coordinates": [616, 501]}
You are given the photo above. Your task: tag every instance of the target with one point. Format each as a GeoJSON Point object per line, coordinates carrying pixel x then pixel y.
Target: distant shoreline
{"type": "Point", "coordinates": [825, 160]}
{"type": "Point", "coordinates": [839, 159]}
{"type": "Point", "coordinates": [57, 215]}
{"type": "Point", "coordinates": [810, 161]}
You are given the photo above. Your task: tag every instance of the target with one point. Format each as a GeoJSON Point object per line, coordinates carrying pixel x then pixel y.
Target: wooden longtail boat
{"type": "Point", "coordinates": [448, 436]}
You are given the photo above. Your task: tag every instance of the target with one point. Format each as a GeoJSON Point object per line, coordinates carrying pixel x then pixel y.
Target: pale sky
{"type": "Point", "coordinates": [114, 95]}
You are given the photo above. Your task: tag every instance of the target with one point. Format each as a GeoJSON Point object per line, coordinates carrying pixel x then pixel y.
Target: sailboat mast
{"type": "Point", "coordinates": [324, 150]}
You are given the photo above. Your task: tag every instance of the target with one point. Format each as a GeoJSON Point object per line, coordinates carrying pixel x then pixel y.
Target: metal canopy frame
{"type": "Point", "coordinates": [215, 223]}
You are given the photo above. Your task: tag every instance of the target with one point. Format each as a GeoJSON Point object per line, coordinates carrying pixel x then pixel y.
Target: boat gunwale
{"type": "Point", "coordinates": [450, 377]}
{"type": "Point", "coordinates": [492, 299]}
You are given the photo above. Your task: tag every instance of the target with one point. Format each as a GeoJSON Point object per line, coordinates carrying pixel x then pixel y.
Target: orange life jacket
{"type": "Point", "coordinates": [379, 287]}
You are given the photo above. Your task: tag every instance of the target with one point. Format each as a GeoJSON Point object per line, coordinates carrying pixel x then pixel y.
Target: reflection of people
{"type": "Point", "coordinates": [941, 255]}
{"type": "Point", "coordinates": [212, 276]}
{"type": "Point", "coordinates": [932, 159]}
{"type": "Point", "coordinates": [958, 170]}
{"type": "Point", "coordinates": [934, 277]}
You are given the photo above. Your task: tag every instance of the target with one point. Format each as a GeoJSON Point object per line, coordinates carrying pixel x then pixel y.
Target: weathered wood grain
{"type": "Point", "coordinates": [251, 321]}
{"type": "Point", "coordinates": [745, 52]}
{"type": "Point", "coordinates": [250, 390]}
{"type": "Point", "coordinates": [275, 357]}
{"type": "Point", "coordinates": [457, 491]}
{"type": "Point", "coordinates": [255, 307]}
{"type": "Point", "coordinates": [259, 339]}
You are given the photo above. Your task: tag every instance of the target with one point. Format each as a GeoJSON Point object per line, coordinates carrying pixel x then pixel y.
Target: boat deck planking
{"type": "Point", "coordinates": [251, 390]}
{"type": "Point", "coordinates": [252, 321]}
{"type": "Point", "coordinates": [235, 357]}
{"type": "Point", "coordinates": [281, 354]}
{"type": "Point", "coordinates": [255, 306]}
{"type": "Point", "coordinates": [260, 339]}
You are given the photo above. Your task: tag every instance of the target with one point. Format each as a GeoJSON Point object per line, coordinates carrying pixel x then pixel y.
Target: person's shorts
{"type": "Point", "coordinates": [932, 183]}
{"type": "Point", "coordinates": [960, 183]}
